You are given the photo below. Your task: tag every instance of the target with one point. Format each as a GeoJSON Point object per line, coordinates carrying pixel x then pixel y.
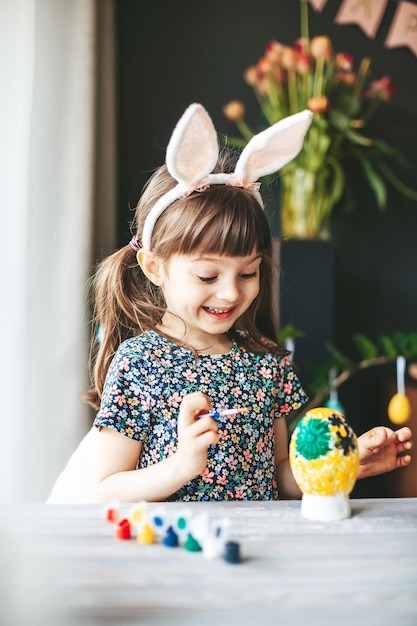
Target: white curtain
{"type": "Point", "coordinates": [49, 133]}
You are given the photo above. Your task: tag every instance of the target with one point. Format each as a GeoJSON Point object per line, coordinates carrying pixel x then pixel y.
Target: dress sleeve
{"type": "Point", "coordinates": [126, 401]}
{"type": "Point", "coordinates": [291, 396]}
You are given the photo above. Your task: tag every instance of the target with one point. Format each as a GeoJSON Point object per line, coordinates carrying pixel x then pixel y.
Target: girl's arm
{"type": "Point", "coordinates": [116, 476]}
{"type": "Point", "coordinates": [287, 487]}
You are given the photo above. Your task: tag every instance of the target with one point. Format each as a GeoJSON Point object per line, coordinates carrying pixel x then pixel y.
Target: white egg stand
{"type": "Point", "coordinates": [325, 508]}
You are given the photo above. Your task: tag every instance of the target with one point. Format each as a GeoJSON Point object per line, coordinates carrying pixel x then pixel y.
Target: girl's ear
{"type": "Point", "coordinates": [151, 266]}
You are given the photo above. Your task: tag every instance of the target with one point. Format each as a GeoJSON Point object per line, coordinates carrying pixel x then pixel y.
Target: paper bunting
{"type": "Point", "coordinates": [403, 30]}
{"type": "Point", "coordinates": [318, 5]}
{"type": "Point", "coordinates": [367, 14]}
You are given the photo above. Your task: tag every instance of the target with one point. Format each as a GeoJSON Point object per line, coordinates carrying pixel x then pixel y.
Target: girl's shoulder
{"type": "Point", "coordinates": [258, 346]}
{"type": "Point", "coordinates": [147, 341]}
{"type": "Point", "coordinates": [271, 357]}
{"type": "Point", "coordinates": [149, 345]}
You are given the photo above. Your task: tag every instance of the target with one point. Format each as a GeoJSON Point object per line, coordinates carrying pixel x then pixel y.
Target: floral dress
{"type": "Point", "coordinates": [146, 382]}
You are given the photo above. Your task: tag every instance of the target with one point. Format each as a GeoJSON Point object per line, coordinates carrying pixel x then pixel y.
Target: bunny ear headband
{"type": "Point", "coordinates": [193, 151]}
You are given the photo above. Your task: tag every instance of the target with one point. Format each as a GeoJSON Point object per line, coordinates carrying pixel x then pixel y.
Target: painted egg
{"type": "Point", "coordinates": [324, 460]}
{"type": "Point", "coordinates": [399, 409]}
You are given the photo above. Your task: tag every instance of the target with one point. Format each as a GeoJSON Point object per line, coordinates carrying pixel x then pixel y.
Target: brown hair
{"type": "Point", "coordinates": [220, 220]}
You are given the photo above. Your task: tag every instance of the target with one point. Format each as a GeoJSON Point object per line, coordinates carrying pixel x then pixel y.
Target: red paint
{"type": "Point", "coordinates": [123, 530]}
{"type": "Point", "coordinates": [112, 515]}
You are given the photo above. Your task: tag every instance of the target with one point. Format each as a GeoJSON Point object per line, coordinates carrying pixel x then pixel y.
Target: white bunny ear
{"type": "Point", "coordinates": [193, 149]}
{"type": "Point", "coordinates": [268, 151]}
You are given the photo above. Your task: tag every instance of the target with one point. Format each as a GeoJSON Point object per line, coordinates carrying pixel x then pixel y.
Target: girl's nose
{"type": "Point", "coordinates": [228, 291]}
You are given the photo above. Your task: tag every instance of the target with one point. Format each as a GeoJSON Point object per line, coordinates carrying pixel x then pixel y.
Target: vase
{"type": "Point", "coordinates": [305, 204]}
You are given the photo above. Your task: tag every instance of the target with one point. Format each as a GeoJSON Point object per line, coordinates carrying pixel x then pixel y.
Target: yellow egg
{"type": "Point", "coordinates": [399, 408]}
{"type": "Point", "coordinates": [324, 453]}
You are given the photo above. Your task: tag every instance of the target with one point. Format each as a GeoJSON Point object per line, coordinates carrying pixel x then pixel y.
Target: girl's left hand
{"type": "Point", "coordinates": [383, 449]}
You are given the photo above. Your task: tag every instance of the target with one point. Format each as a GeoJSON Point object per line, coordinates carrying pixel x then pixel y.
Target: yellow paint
{"type": "Point", "coordinates": [147, 535]}
{"type": "Point", "coordinates": [334, 473]}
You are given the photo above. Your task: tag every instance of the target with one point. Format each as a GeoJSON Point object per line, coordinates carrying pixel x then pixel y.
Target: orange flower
{"type": "Point", "coordinates": [318, 104]}
{"type": "Point", "coordinates": [321, 48]}
{"type": "Point", "coordinates": [251, 75]}
{"type": "Point", "coordinates": [288, 58]}
{"type": "Point", "coordinates": [234, 110]}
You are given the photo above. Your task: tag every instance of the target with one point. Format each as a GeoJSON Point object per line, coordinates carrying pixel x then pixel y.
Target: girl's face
{"type": "Point", "coordinates": [209, 293]}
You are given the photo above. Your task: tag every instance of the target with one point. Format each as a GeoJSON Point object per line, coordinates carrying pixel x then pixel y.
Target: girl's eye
{"type": "Point", "coordinates": [207, 279]}
{"type": "Point", "coordinates": [248, 276]}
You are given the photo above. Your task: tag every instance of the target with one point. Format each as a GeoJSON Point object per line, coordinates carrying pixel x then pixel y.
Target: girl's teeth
{"type": "Point", "coordinates": [216, 310]}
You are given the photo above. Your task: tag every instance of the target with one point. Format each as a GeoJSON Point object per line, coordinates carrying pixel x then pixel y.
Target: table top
{"type": "Point", "coordinates": [65, 559]}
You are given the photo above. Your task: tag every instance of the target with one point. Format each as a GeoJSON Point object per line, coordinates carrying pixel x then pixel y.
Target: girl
{"type": "Point", "coordinates": [185, 313]}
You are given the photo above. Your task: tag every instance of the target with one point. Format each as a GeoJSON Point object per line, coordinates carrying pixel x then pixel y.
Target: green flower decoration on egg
{"type": "Point", "coordinates": [313, 439]}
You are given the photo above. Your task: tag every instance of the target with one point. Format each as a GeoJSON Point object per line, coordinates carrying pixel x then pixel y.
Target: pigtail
{"type": "Point", "coordinates": [125, 304]}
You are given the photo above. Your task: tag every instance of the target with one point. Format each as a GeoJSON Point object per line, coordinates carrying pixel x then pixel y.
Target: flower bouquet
{"type": "Point", "coordinates": [310, 75]}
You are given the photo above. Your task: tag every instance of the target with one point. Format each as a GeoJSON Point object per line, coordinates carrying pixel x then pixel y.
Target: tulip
{"type": "Point", "coordinates": [288, 58]}
{"type": "Point", "coordinates": [273, 51]}
{"type": "Point", "coordinates": [344, 61]}
{"type": "Point", "coordinates": [264, 67]}
{"type": "Point", "coordinates": [383, 89]}
{"type": "Point", "coordinates": [234, 110]}
{"type": "Point", "coordinates": [302, 45]}
{"type": "Point", "coordinates": [264, 86]}
{"type": "Point", "coordinates": [251, 76]}
{"type": "Point", "coordinates": [321, 48]}
{"type": "Point", "coordinates": [303, 63]}
{"type": "Point", "coordinates": [318, 104]}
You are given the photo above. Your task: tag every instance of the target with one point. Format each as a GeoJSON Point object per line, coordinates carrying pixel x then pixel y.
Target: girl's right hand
{"type": "Point", "coordinates": [195, 434]}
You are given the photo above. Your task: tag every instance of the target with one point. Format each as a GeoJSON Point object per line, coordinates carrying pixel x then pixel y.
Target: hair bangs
{"type": "Point", "coordinates": [221, 220]}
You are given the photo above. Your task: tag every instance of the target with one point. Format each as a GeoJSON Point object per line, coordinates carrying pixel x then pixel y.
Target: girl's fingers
{"type": "Point", "coordinates": [404, 435]}
{"type": "Point", "coordinates": [208, 438]}
{"type": "Point", "coordinates": [192, 404]}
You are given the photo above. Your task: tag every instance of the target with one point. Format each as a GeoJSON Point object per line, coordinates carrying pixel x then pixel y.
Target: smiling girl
{"type": "Point", "coordinates": [186, 318]}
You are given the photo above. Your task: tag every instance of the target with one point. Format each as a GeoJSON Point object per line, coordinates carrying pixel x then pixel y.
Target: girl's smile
{"type": "Point", "coordinates": [220, 313]}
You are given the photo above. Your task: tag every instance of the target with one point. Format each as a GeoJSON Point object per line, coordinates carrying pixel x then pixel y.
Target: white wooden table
{"type": "Point", "coordinates": [64, 564]}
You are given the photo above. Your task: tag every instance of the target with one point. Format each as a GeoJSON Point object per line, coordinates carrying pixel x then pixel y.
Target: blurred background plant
{"type": "Point", "coordinates": [332, 373]}
{"type": "Point", "coordinates": [311, 75]}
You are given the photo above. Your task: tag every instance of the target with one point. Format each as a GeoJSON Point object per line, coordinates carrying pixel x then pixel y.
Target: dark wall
{"type": "Point", "coordinates": [172, 54]}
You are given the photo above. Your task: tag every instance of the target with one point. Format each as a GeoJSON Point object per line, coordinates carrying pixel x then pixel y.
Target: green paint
{"type": "Point", "coordinates": [313, 438]}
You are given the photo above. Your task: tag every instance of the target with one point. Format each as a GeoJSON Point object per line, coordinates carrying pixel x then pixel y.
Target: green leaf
{"type": "Point", "coordinates": [341, 361]}
{"type": "Point", "coordinates": [367, 349]}
{"type": "Point", "coordinates": [338, 180]}
{"type": "Point", "coordinates": [289, 331]}
{"type": "Point", "coordinates": [357, 138]}
{"type": "Point", "coordinates": [406, 344]}
{"type": "Point", "coordinates": [375, 181]}
{"type": "Point", "coordinates": [388, 347]}
{"type": "Point", "coordinates": [339, 120]}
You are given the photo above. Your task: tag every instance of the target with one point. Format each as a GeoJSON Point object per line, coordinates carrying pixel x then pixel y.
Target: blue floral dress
{"type": "Point", "coordinates": [146, 382]}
